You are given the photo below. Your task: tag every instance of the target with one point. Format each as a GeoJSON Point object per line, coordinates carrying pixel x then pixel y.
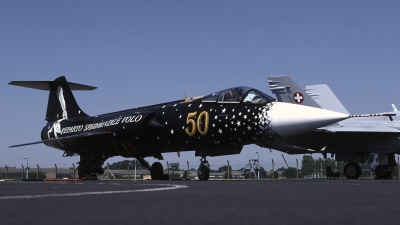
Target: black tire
{"type": "Point", "coordinates": [382, 173]}
{"type": "Point", "coordinates": [157, 171]}
{"type": "Point", "coordinates": [81, 172]}
{"type": "Point", "coordinates": [203, 172]}
{"type": "Point", "coordinates": [352, 170]}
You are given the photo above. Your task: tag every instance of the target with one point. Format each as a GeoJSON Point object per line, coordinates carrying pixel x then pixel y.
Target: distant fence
{"type": "Point", "coordinates": [280, 170]}
{"type": "Point", "coordinates": [12, 172]}
{"type": "Point", "coordinates": [219, 170]}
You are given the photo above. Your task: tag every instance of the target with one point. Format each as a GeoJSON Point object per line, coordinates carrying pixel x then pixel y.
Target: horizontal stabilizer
{"type": "Point", "coordinates": [47, 85]}
{"type": "Point", "coordinates": [61, 103]}
{"type": "Point", "coordinates": [63, 138]}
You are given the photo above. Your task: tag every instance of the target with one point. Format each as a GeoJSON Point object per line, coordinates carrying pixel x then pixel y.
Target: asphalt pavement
{"type": "Point", "coordinates": [201, 202]}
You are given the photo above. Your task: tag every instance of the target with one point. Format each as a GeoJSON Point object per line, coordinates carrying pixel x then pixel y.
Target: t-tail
{"type": "Point", "coordinates": [61, 103]}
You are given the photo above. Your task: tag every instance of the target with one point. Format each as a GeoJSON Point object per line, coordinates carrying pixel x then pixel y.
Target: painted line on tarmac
{"type": "Point", "coordinates": [171, 187]}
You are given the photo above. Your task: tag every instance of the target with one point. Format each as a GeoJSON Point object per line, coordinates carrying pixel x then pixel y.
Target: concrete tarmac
{"type": "Point", "coordinates": [198, 202]}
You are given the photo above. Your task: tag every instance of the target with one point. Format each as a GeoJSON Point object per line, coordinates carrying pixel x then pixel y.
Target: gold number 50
{"type": "Point", "coordinates": [189, 120]}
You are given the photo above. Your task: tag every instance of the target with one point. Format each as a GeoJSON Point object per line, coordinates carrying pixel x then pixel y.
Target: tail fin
{"type": "Point", "coordinates": [323, 95]}
{"type": "Point", "coordinates": [394, 108]}
{"type": "Point", "coordinates": [286, 90]}
{"type": "Point", "coordinates": [62, 103]}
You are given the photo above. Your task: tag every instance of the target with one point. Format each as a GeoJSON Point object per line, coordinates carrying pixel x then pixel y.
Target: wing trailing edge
{"type": "Point", "coordinates": [63, 138]}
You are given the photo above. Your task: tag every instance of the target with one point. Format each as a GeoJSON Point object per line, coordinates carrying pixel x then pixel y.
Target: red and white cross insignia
{"type": "Point", "coordinates": [298, 97]}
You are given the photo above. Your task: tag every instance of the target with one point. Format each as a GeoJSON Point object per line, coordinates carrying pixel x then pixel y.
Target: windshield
{"type": "Point", "coordinates": [232, 94]}
{"type": "Point", "coordinates": [239, 94]}
{"type": "Point", "coordinates": [256, 97]}
{"type": "Point", "coordinates": [228, 95]}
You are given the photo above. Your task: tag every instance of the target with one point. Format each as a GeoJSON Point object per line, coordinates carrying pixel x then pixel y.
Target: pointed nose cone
{"type": "Point", "coordinates": [290, 119]}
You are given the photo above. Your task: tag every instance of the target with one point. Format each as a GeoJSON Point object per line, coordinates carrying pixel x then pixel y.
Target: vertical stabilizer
{"type": "Point", "coordinates": [394, 108]}
{"type": "Point", "coordinates": [323, 95]}
{"type": "Point", "coordinates": [286, 90]}
{"type": "Point", "coordinates": [62, 103]}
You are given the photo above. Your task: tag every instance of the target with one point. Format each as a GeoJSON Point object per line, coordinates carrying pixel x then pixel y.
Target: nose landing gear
{"type": "Point", "coordinates": [203, 172]}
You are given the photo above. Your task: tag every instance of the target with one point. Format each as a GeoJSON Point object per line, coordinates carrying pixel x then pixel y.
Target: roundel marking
{"type": "Point", "coordinates": [298, 97]}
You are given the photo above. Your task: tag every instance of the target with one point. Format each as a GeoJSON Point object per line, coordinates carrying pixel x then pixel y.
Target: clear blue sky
{"type": "Point", "coordinates": [145, 52]}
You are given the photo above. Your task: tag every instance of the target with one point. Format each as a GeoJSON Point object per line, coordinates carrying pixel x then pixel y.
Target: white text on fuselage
{"type": "Point", "coordinates": [92, 126]}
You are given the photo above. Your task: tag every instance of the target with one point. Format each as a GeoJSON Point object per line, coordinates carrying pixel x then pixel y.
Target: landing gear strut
{"type": "Point", "coordinates": [203, 172]}
{"type": "Point", "coordinates": [89, 165]}
{"type": "Point", "coordinates": [143, 162]}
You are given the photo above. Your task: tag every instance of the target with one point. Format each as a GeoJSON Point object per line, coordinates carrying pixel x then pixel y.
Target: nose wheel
{"type": "Point", "coordinates": [203, 173]}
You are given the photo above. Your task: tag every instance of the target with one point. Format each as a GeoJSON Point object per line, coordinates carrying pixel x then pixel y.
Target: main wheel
{"type": "Point", "coordinates": [81, 171]}
{"type": "Point", "coordinates": [203, 172]}
{"type": "Point", "coordinates": [383, 173]}
{"type": "Point", "coordinates": [156, 171]}
{"type": "Point", "coordinates": [352, 170]}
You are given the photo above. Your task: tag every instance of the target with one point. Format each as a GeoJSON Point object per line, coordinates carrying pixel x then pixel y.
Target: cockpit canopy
{"type": "Point", "coordinates": [239, 95]}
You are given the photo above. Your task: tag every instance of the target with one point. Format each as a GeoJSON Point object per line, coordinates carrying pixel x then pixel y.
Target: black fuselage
{"type": "Point", "coordinates": [210, 128]}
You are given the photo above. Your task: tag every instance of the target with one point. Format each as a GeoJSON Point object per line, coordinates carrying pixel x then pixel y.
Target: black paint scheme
{"type": "Point", "coordinates": [217, 124]}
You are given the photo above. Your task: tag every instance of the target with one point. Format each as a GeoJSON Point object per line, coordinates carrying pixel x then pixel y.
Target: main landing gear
{"type": "Point", "coordinates": [382, 164]}
{"type": "Point", "coordinates": [90, 165]}
{"type": "Point", "coordinates": [203, 172]}
{"type": "Point", "coordinates": [384, 172]}
{"type": "Point", "coordinates": [157, 172]}
{"type": "Point", "coordinates": [156, 169]}
{"type": "Point", "coordinates": [352, 170]}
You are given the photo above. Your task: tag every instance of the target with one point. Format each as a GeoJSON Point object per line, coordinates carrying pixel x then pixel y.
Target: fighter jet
{"type": "Point", "coordinates": [371, 140]}
{"type": "Point", "coordinates": [220, 123]}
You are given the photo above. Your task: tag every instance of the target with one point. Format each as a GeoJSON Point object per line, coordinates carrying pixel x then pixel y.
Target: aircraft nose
{"type": "Point", "coordinates": [290, 119]}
